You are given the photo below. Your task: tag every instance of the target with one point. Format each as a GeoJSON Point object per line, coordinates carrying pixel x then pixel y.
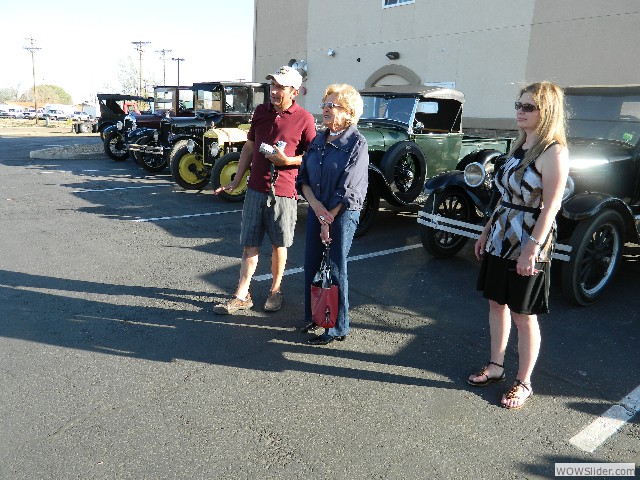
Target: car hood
{"type": "Point", "coordinates": [381, 138]}
{"type": "Point", "coordinates": [587, 153]}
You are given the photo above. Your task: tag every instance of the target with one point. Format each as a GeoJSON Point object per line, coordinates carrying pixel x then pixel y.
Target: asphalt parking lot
{"type": "Point", "coordinates": [115, 366]}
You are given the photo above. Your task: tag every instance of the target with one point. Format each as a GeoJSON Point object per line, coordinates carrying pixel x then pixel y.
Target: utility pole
{"type": "Point", "coordinates": [178, 60]}
{"type": "Point", "coordinates": [33, 50]}
{"type": "Point", "coordinates": [163, 52]}
{"type": "Point", "coordinates": [139, 49]}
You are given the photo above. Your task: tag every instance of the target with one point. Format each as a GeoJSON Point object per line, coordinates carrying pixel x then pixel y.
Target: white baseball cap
{"type": "Point", "coordinates": [287, 77]}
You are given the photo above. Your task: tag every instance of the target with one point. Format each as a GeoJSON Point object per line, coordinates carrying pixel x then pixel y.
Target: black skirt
{"type": "Point", "coordinates": [499, 281]}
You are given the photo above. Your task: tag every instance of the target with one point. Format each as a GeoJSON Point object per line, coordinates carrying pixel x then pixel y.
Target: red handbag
{"type": "Point", "coordinates": [324, 295]}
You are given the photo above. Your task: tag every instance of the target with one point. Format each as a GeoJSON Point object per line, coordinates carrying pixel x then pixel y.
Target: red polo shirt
{"type": "Point", "coordinates": [295, 126]}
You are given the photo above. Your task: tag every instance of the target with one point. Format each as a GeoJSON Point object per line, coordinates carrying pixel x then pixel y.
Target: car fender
{"type": "Point", "coordinates": [102, 126]}
{"type": "Point", "coordinates": [138, 133]}
{"type": "Point", "coordinates": [588, 204]}
{"type": "Point", "coordinates": [479, 156]}
{"type": "Point", "coordinates": [376, 175]}
{"type": "Point", "coordinates": [109, 129]}
{"type": "Point", "coordinates": [455, 179]}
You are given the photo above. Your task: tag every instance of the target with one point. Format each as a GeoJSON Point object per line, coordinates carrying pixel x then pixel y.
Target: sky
{"type": "Point", "coordinates": [84, 45]}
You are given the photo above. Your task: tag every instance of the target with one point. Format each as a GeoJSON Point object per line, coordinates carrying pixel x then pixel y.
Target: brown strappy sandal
{"type": "Point", "coordinates": [513, 393]}
{"type": "Point", "coordinates": [489, 379]}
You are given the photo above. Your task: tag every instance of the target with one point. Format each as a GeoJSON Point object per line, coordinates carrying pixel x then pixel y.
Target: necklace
{"type": "Point", "coordinates": [335, 134]}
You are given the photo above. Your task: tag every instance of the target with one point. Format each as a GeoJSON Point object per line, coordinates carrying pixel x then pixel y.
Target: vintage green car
{"type": "Point", "coordinates": [414, 132]}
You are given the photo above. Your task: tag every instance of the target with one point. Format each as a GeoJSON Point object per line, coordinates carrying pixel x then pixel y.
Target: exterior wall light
{"type": "Point", "coordinates": [393, 55]}
{"type": "Point", "coordinates": [331, 52]}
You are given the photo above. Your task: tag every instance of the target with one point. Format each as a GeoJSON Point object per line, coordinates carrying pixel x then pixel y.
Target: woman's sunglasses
{"type": "Point", "coordinates": [330, 105]}
{"type": "Point", "coordinates": [526, 107]}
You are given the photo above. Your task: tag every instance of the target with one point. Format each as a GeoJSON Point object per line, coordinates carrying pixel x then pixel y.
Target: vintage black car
{"type": "Point", "coordinates": [601, 206]}
{"type": "Point", "coordinates": [414, 132]}
{"type": "Point", "coordinates": [114, 107]}
{"type": "Point", "coordinates": [121, 122]}
{"type": "Point", "coordinates": [207, 148]}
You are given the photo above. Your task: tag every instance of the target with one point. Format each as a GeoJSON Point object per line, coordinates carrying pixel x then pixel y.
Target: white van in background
{"type": "Point", "coordinates": [11, 111]}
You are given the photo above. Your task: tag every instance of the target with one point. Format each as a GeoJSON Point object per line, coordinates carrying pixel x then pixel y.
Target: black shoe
{"type": "Point", "coordinates": [325, 339]}
{"type": "Point", "coordinates": [310, 327]}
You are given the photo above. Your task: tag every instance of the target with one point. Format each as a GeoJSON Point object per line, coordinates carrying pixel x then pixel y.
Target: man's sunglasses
{"type": "Point", "coordinates": [330, 105]}
{"type": "Point", "coordinates": [526, 107]}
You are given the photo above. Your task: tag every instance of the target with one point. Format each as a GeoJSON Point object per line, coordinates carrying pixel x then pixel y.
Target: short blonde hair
{"type": "Point", "coordinates": [348, 98]}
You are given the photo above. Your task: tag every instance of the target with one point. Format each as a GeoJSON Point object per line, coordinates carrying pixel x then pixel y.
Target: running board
{"type": "Point", "coordinates": [561, 252]}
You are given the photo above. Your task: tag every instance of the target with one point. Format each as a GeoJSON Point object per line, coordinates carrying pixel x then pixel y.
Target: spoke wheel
{"type": "Point", "coordinates": [150, 162]}
{"type": "Point", "coordinates": [451, 204]}
{"type": "Point", "coordinates": [406, 173]}
{"type": "Point", "coordinates": [404, 168]}
{"type": "Point", "coordinates": [596, 251]}
{"type": "Point", "coordinates": [115, 147]}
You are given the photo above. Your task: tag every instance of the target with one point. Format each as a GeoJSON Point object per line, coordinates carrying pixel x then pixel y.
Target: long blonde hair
{"type": "Point", "coordinates": [549, 98]}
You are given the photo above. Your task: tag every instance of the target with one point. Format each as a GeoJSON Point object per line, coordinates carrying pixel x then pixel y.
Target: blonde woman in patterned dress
{"type": "Point", "coordinates": [515, 245]}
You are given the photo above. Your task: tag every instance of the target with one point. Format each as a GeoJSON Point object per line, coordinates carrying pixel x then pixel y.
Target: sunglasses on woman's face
{"type": "Point", "coordinates": [526, 107]}
{"type": "Point", "coordinates": [330, 105]}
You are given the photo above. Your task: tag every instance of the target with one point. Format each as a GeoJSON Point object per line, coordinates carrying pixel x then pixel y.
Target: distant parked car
{"type": "Point", "coordinates": [56, 115]}
{"type": "Point", "coordinates": [81, 116]}
{"type": "Point", "coordinates": [14, 113]}
{"type": "Point", "coordinates": [31, 113]}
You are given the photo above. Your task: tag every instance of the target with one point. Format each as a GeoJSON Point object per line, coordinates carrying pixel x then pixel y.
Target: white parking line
{"type": "Point", "coordinates": [185, 216]}
{"type": "Point", "coordinates": [595, 434]}
{"type": "Point", "coordinates": [122, 188]}
{"type": "Point", "coordinates": [261, 278]}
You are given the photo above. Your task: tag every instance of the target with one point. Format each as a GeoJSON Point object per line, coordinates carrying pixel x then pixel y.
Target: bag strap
{"type": "Point", "coordinates": [327, 249]}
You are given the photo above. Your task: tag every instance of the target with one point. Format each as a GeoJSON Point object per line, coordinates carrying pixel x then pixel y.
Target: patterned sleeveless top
{"type": "Point", "coordinates": [515, 215]}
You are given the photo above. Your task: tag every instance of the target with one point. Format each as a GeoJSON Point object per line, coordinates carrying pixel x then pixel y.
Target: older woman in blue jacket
{"type": "Point", "coordinates": [333, 178]}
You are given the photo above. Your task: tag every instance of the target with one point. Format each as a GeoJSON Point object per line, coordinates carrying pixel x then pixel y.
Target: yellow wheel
{"type": "Point", "coordinates": [224, 171]}
{"type": "Point", "coordinates": [187, 168]}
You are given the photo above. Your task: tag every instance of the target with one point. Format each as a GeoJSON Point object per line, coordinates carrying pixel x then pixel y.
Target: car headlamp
{"type": "Point", "coordinates": [474, 174]}
{"type": "Point", "coordinates": [119, 125]}
{"type": "Point", "coordinates": [191, 145]}
{"type": "Point", "coordinates": [214, 149]}
{"type": "Point", "coordinates": [156, 135]}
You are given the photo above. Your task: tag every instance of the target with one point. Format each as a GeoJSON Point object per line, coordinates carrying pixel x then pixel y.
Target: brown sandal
{"type": "Point", "coordinates": [513, 393]}
{"type": "Point", "coordinates": [489, 379]}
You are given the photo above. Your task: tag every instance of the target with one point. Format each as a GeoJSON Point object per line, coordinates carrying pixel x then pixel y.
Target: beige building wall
{"type": "Point", "coordinates": [486, 49]}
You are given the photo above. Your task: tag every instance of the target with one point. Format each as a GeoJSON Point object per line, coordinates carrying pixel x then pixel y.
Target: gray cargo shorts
{"type": "Point", "coordinates": [278, 220]}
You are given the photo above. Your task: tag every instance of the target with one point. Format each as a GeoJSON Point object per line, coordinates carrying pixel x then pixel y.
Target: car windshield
{"type": "Point", "coordinates": [388, 107]}
{"type": "Point", "coordinates": [236, 99]}
{"type": "Point", "coordinates": [208, 100]}
{"type": "Point", "coordinates": [163, 99]}
{"type": "Point", "coordinates": [605, 117]}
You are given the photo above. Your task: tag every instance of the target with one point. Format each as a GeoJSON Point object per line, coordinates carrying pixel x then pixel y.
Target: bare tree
{"type": "Point", "coordinates": [8, 94]}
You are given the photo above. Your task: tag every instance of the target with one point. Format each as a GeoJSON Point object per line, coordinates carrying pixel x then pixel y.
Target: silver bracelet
{"type": "Point", "coordinates": [535, 241]}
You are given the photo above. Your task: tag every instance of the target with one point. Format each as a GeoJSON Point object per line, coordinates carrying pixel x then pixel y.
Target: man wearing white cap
{"type": "Point", "coordinates": [271, 202]}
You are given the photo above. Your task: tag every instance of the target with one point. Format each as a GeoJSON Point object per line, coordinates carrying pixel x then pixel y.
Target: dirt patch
{"type": "Point", "coordinates": [28, 128]}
